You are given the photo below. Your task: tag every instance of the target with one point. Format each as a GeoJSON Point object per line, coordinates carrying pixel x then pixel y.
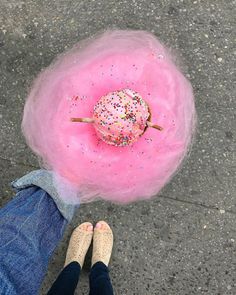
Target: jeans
{"type": "Point", "coordinates": [99, 281]}
{"type": "Point", "coordinates": [31, 226]}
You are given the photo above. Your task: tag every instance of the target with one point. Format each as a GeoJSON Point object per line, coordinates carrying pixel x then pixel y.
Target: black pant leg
{"type": "Point", "coordinates": [67, 280]}
{"type": "Point", "coordinates": [99, 280]}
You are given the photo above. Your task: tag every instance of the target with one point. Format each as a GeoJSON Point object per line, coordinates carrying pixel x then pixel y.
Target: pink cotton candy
{"type": "Point", "coordinates": [72, 86]}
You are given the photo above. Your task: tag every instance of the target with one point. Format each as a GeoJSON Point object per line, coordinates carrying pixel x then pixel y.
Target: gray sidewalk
{"type": "Point", "coordinates": [184, 241]}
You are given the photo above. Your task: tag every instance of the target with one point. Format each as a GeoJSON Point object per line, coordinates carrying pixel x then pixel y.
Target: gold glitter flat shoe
{"type": "Point", "coordinates": [102, 243]}
{"type": "Point", "coordinates": [79, 243]}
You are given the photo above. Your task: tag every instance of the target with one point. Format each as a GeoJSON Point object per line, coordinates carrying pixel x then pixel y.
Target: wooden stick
{"type": "Point", "coordinates": [150, 124]}
{"type": "Point", "coordinates": [91, 120]}
{"type": "Point", "coordinates": [83, 120]}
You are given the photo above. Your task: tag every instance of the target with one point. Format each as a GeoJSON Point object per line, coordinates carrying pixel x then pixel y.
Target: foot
{"type": "Point", "coordinates": [79, 243]}
{"type": "Point", "coordinates": [102, 243]}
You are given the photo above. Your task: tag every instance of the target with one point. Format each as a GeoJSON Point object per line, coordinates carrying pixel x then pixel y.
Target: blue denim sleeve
{"type": "Point", "coordinates": [30, 228]}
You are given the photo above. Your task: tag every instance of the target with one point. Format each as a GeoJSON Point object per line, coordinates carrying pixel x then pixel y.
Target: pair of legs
{"type": "Point", "coordinates": [80, 241]}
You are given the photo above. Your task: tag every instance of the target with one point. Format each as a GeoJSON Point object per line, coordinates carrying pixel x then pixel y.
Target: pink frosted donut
{"type": "Point", "coordinates": [82, 78]}
{"type": "Point", "coordinates": [121, 117]}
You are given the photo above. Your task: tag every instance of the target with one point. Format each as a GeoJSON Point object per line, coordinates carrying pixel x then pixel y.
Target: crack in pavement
{"type": "Point", "coordinates": [197, 204]}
